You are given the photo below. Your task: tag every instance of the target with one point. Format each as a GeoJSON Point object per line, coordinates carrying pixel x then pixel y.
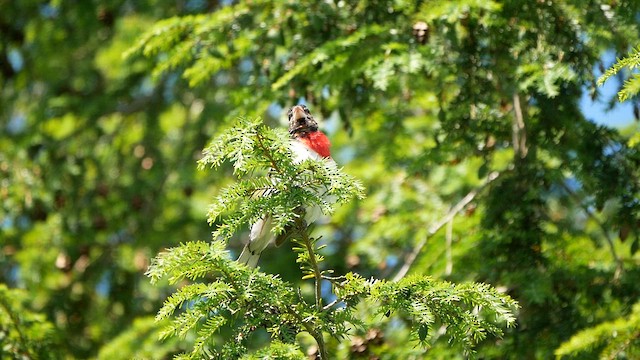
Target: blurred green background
{"type": "Point", "coordinates": [105, 106]}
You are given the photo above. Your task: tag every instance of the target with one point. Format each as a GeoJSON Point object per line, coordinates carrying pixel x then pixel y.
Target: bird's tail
{"type": "Point", "coordinates": [248, 257]}
{"type": "Point", "coordinates": [259, 238]}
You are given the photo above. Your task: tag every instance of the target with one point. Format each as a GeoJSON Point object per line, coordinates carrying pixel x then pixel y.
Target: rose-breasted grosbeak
{"type": "Point", "coordinates": [307, 142]}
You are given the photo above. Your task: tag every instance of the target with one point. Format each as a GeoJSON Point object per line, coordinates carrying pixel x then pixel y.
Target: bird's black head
{"type": "Point", "coordinates": [301, 121]}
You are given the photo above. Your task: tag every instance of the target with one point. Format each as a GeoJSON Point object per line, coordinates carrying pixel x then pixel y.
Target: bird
{"type": "Point", "coordinates": [306, 142]}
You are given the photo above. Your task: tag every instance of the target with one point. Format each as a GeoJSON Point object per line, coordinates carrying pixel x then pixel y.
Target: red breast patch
{"type": "Point", "coordinates": [318, 142]}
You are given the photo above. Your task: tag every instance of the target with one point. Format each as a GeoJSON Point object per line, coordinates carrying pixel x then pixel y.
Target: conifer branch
{"type": "Point", "coordinates": [313, 261]}
{"type": "Point", "coordinates": [631, 87]}
{"type": "Point", "coordinates": [23, 333]}
{"type": "Point", "coordinates": [267, 153]}
{"type": "Point", "coordinates": [626, 330]}
{"type": "Point", "coordinates": [314, 332]}
{"type": "Point", "coordinates": [13, 315]}
{"type": "Point", "coordinates": [220, 288]}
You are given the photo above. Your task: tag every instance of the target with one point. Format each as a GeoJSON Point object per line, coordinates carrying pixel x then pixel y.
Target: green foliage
{"type": "Point", "coordinates": [251, 147]}
{"type": "Point", "coordinates": [239, 298]}
{"type": "Point", "coordinates": [245, 301]}
{"type": "Point", "coordinates": [469, 312]}
{"type": "Point", "coordinates": [23, 333]}
{"type": "Point", "coordinates": [97, 150]}
{"type": "Point", "coordinates": [617, 339]}
{"type": "Point", "coordinates": [93, 180]}
{"type": "Point", "coordinates": [631, 86]}
{"type": "Point", "coordinates": [140, 341]}
{"type": "Point", "coordinates": [277, 350]}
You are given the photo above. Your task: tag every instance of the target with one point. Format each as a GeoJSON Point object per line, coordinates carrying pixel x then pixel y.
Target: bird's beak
{"type": "Point", "coordinates": [297, 112]}
{"type": "Point", "coordinates": [299, 120]}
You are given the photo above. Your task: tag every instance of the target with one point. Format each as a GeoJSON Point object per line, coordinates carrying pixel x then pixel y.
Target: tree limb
{"type": "Point", "coordinates": [411, 257]}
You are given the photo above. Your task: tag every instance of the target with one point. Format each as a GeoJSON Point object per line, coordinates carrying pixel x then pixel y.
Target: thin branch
{"type": "Point", "coordinates": [411, 257]}
{"type": "Point", "coordinates": [313, 261]}
{"type": "Point", "coordinates": [519, 130]}
{"type": "Point", "coordinates": [330, 305]}
{"type": "Point", "coordinates": [449, 234]}
{"type": "Point", "coordinates": [267, 153]}
{"type": "Point", "coordinates": [334, 278]}
{"type": "Point", "coordinates": [317, 335]}
{"type": "Point", "coordinates": [577, 200]}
